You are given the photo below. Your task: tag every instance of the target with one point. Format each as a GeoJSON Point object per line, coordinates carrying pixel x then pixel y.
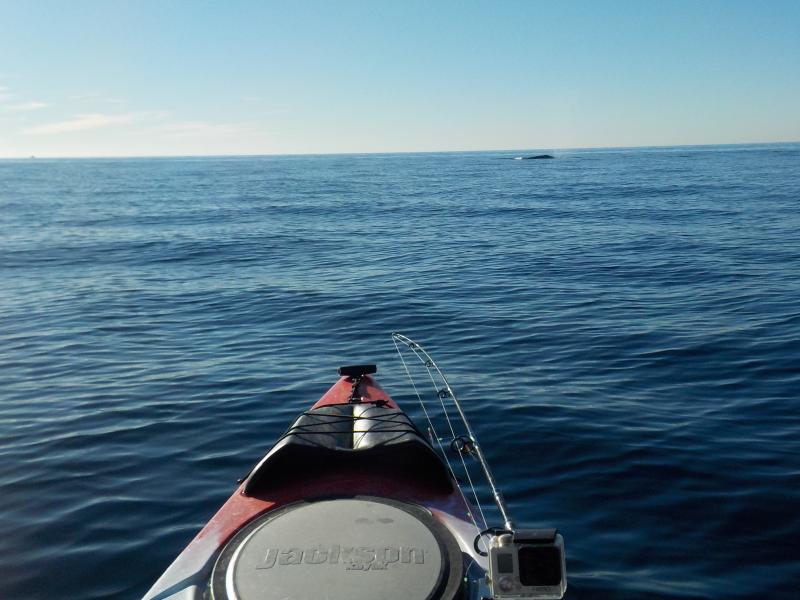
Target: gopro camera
{"type": "Point", "coordinates": [528, 563]}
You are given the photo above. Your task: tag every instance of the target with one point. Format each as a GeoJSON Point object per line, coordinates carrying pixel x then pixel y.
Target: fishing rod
{"type": "Point", "coordinates": [471, 442]}
{"type": "Point", "coordinates": [524, 564]}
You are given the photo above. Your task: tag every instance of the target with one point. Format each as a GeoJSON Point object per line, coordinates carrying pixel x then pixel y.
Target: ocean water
{"type": "Point", "coordinates": [622, 326]}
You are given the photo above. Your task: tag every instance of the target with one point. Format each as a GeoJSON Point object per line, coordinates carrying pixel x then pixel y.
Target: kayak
{"type": "Point", "coordinates": [353, 502]}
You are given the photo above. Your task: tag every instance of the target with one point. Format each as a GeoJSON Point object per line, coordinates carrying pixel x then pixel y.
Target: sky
{"type": "Point", "coordinates": [149, 78]}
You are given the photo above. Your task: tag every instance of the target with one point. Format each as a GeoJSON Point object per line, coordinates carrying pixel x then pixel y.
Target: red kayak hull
{"type": "Point", "coordinates": [242, 508]}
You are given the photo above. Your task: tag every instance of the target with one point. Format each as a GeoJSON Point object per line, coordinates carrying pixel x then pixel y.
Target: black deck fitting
{"type": "Point", "coordinates": [353, 371]}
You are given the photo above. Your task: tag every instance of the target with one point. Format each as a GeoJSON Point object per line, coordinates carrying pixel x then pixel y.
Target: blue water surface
{"type": "Point", "coordinates": [623, 327]}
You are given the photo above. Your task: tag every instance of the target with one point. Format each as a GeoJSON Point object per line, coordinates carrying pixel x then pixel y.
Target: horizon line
{"type": "Point", "coordinates": [390, 152]}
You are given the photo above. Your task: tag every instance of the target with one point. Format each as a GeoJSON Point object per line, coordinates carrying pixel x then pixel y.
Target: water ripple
{"type": "Point", "coordinates": [621, 325]}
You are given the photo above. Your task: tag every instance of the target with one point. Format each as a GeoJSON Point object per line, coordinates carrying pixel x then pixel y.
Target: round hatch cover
{"type": "Point", "coordinates": [348, 549]}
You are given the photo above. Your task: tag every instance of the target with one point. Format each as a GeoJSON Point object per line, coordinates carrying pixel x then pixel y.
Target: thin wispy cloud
{"type": "Point", "coordinates": [26, 106]}
{"type": "Point", "coordinates": [202, 128]}
{"type": "Point", "coordinates": [6, 96]}
{"type": "Point", "coordinates": [95, 97]}
{"type": "Point", "coordinates": [82, 122]}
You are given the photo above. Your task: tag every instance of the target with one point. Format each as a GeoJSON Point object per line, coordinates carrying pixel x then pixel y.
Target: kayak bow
{"type": "Point", "coordinates": [351, 503]}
